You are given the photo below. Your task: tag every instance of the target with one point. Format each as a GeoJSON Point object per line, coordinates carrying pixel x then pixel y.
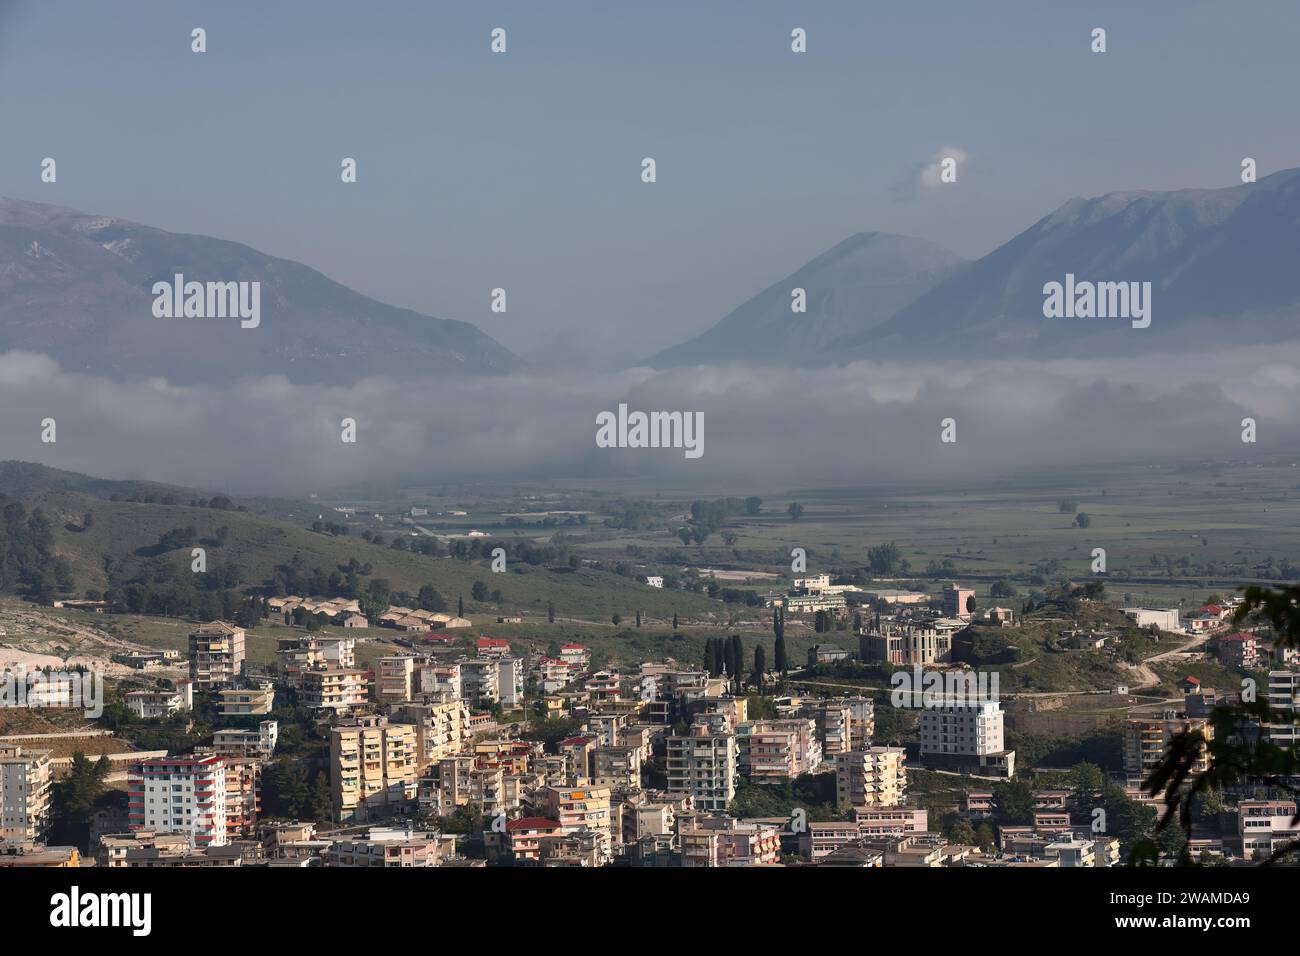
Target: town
{"type": "Point", "coordinates": [453, 747]}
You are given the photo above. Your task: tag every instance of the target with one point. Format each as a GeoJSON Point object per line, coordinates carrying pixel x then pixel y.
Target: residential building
{"type": "Point", "coordinates": [333, 688]}
{"type": "Point", "coordinates": [246, 701]}
{"type": "Point", "coordinates": [873, 777]}
{"type": "Point", "coordinates": [234, 742]}
{"type": "Point", "coordinates": [24, 793]}
{"type": "Point", "coordinates": [180, 795]}
{"type": "Point", "coordinates": [704, 765]}
{"type": "Point", "coordinates": [441, 728]}
{"type": "Point", "coordinates": [1146, 741]}
{"type": "Point", "coordinates": [216, 655]}
{"type": "Point", "coordinates": [956, 601]}
{"type": "Point", "coordinates": [373, 768]}
{"type": "Point", "coordinates": [153, 704]}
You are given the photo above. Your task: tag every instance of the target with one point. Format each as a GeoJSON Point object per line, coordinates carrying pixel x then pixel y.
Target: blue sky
{"type": "Point", "coordinates": [522, 170]}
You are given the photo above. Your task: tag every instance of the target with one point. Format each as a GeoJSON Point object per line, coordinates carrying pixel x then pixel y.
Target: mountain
{"type": "Point", "coordinates": [851, 289]}
{"type": "Point", "coordinates": [1221, 263]}
{"type": "Point", "coordinates": [79, 289]}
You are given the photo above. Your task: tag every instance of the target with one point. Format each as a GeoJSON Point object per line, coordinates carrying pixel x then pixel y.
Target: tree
{"type": "Point", "coordinates": [638, 617]}
{"type": "Point", "coordinates": [73, 798]}
{"type": "Point", "coordinates": [430, 600]}
{"type": "Point", "coordinates": [760, 665]}
{"type": "Point", "coordinates": [1065, 506]}
{"type": "Point", "coordinates": [674, 620]}
{"type": "Point", "coordinates": [753, 505]}
{"type": "Point", "coordinates": [970, 604]}
{"type": "Point", "coordinates": [550, 612]}
{"type": "Point", "coordinates": [460, 606]}
{"type": "Point", "coordinates": [1082, 520]}
{"type": "Point", "coordinates": [617, 619]}
{"type": "Point", "coordinates": [479, 592]}
{"type": "Point", "coordinates": [795, 511]}
{"type": "Point", "coordinates": [1234, 760]}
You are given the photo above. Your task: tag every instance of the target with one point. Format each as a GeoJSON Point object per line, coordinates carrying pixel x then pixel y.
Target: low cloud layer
{"type": "Point", "coordinates": [764, 428]}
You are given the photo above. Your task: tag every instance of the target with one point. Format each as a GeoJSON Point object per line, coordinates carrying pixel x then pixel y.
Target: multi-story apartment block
{"type": "Point", "coordinates": [862, 721]}
{"type": "Point", "coordinates": [906, 644]}
{"type": "Point", "coordinates": [180, 795]}
{"type": "Point", "coordinates": [1284, 694]}
{"type": "Point", "coordinates": [234, 742]}
{"type": "Point", "coordinates": [438, 680]}
{"type": "Point", "coordinates": [246, 701]}
{"type": "Point", "coordinates": [216, 655]}
{"type": "Point", "coordinates": [874, 777]}
{"type": "Point", "coordinates": [577, 808]}
{"type": "Point", "coordinates": [834, 726]}
{"type": "Point", "coordinates": [333, 688]}
{"type": "Point", "coordinates": [724, 842]}
{"type": "Point", "coordinates": [778, 749]}
{"type": "Point", "coordinates": [243, 795]}
{"type": "Point", "coordinates": [510, 681]}
{"type": "Point", "coordinates": [373, 768]}
{"type": "Point", "coordinates": [956, 601]}
{"type": "Point", "coordinates": [152, 704]}
{"type": "Point", "coordinates": [481, 681]}
{"type": "Point", "coordinates": [616, 767]}
{"type": "Point", "coordinates": [391, 847]}
{"type": "Point", "coordinates": [703, 764]}
{"type": "Point", "coordinates": [962, 729]}
{"type": "Point", "coordinates": [441, 728]}
{"type": "Point", "coordinates": [1146, 740]}
{"type": "Point", "coordinates": [395, 677]}
{"type": "Point", "coordinates": [24, 793]}
{"type": "Point", "coordinates": [1239, 650]}
{"type": "Point", "coordinates": [1266, 826]}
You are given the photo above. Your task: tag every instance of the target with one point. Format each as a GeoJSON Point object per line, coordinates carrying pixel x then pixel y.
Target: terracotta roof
{"type": "Point", "coordinates": [532, 823]}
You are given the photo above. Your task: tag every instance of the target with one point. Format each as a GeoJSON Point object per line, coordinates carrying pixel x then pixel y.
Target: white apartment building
{"type": "Point", "coordinates": [967, 729]}
{"type": "Point", "coordinates": [704, 765]}
{"type": "Point", "coordinates": [180, 795]}
{"type": "Point", "coordinates": [24, 793]}
{"type": "Point", "coordinates": [152, 704]}
{"type": "Point", "coordinates": [1283, 693]}
{"type": "Point", "coordinates": [232, 742]}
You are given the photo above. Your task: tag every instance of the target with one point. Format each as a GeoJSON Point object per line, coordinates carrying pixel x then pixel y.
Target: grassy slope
{"type": "Point", "coordinates": [258, 544]}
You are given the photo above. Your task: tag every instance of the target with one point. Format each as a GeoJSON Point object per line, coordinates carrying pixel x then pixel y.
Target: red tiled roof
{"type": "Point", "coordinates": [492, 642]}
{"type": "Point", "coordinates": [1190, 680]}
{"type": "Point", "coordinates": [532, 823]}
{"type": "Point", "coordinates": [1239, 636]}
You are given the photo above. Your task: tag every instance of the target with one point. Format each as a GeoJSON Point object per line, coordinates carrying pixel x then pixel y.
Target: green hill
{"type": "Point", "coordinates": [129, 540]}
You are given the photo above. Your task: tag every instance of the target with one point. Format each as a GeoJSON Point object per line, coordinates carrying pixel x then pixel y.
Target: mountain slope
{"type": "Point", "coordinates": [851, 289]}
{"type": "Point", "coordinates": [1221, 263]}
{"type": "Point", "coordinates": [79, 288]}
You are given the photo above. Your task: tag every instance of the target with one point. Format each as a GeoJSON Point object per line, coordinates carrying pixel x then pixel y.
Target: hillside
{"type": "Point", "coordinates": [128, 535]}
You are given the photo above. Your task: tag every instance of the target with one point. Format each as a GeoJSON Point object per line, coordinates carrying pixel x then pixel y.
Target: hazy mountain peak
{"type": "Point", "coordinates": [851, 287]}
{"type": "Point", "coordinates": [78, 287]}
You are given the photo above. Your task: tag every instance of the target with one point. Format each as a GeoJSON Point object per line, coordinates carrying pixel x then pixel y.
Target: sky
{"type": "Point", "coordinates": [522, 170]}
